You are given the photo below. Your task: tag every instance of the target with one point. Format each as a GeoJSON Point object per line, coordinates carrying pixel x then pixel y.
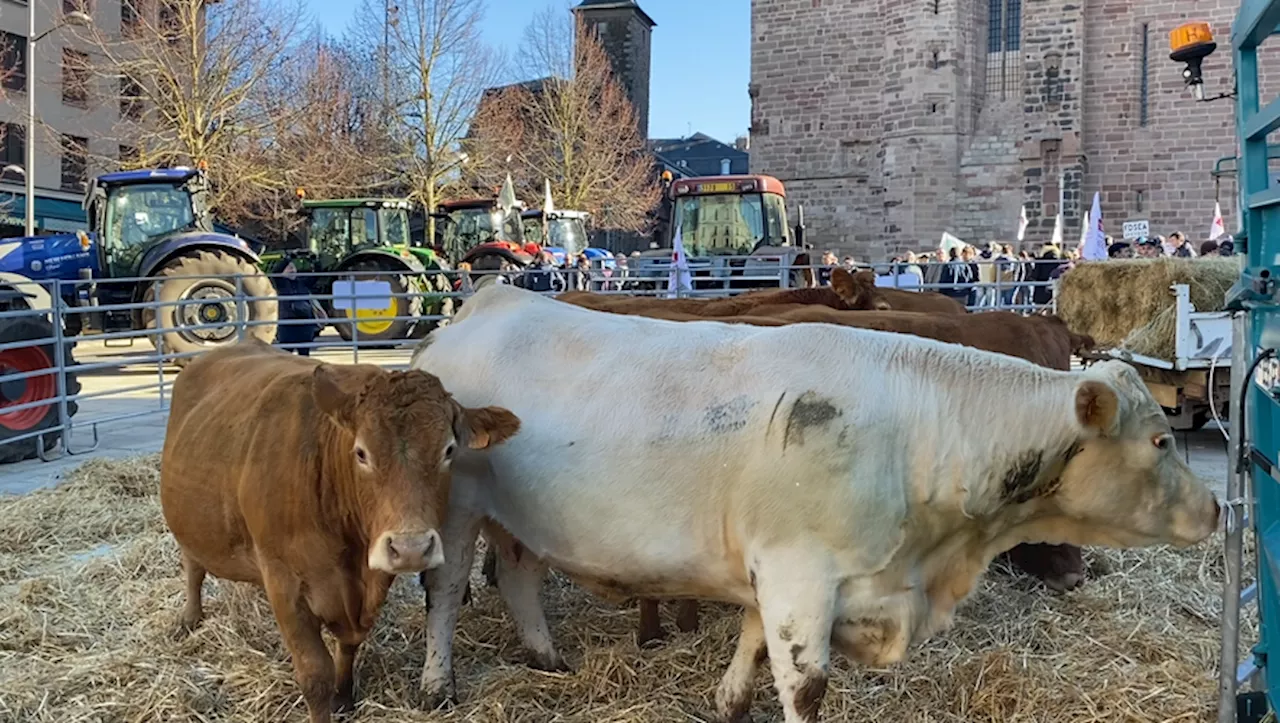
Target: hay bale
{"type": "Point", "coordinates": [1120, 302]}
{"type": "Point", "coordinates": [89, 638]}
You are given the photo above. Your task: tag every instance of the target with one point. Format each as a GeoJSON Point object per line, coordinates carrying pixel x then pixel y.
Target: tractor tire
{"type": "Point", "coordinates": [440, 283]}
{"type": "Point", "coordinates": [400, 306]}
{"type": "Point", "coordinates": [220, 305]}
{"type": "Point", "coordinates": [23, 391]}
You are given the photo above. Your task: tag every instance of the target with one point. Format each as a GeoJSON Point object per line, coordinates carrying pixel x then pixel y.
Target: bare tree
{"type": "Point", "coordinates": [575, 127]}
{"type": "Point", "coordinates": [436, 67]}
{"type": "Point", "coordinates": [189, 76]}
{"type": "Point", "coordinates": [326, 136]}
{"type": "Point", "coordinates": [7, 70]}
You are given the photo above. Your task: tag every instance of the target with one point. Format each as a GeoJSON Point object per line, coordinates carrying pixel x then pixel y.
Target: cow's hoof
{"type": "Point", "coordinates": [187, 625]}
{"type": "Point", "coordinates": [1065, 582]}
{"type": "Point", "coordinates": [443, 698]}
{"type": "Point", "coordinates": [732, 711]}
{"type": "Point", "coordinates": [552, 663]}
{"type": "Point", "coordinates": [650, 639]}
{"type": "Point", "coordinates": [344, 703]}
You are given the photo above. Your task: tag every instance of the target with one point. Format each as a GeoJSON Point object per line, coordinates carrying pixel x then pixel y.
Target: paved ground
{"type": "Point", "coordinates": [128, 408]}
{"type": "Point", "coordinates": [130, 416]}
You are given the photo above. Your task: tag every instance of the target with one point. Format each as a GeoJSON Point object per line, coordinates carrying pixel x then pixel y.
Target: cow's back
{"type": "Point", "coordinates": [929, 302]}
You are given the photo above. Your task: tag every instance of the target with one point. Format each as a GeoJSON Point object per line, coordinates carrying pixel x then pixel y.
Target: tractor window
{"type": "Point", "coordinates": [775, 218]}
{"type": "Point", "coordinates": [364, 227]}
{"type": "Point", "coordinates": [465, 229]}
{"type": "Point", "coordinates": [329, 231]}
{"type": "Point", "coordinates": [568, 234]}
{"type": "Point", "coordinates": [395, 226]}
{"type": "Point", "coordinates": [727, 224]}
{"type": "Point", "coordinates": [138, 215]}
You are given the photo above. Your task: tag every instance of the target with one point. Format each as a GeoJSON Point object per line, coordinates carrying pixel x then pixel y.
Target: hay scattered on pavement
{"type": "Point", "coordinates": [86, 635]}
{"type": "Point", "coordinates": [1120, 302]}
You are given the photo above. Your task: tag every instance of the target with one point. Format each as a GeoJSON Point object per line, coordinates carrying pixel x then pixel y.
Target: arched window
{"type": "Point", "coordinates": [1004, 45]}
{"type": "Point", "coordinates": [725, 166]}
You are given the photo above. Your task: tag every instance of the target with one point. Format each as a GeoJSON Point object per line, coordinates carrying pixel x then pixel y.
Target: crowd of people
{"type": "Point", "coordinates": [997, 276]}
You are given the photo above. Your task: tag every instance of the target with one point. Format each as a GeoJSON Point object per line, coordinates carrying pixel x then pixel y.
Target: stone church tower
{"type": "Point", "coordinates": [625, 32]}
{"type": "Point", "coordinates": [896, 120]}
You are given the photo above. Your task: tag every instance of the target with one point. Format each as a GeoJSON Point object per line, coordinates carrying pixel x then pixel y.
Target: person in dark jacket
{"type": "Point", "coordinates": [1048, 263]}
{"type": "Point", "coordinates": [288, 285]}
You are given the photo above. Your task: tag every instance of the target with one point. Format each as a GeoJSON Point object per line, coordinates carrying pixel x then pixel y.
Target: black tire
{"type": "Point", "coordinates": [217, 269]}
{"type": "Point", "coordinates": [440, 283]}
{"type": "Point", "coordinates": [35, 388]}
{"type": "Point", "coordinates": [398, 329]}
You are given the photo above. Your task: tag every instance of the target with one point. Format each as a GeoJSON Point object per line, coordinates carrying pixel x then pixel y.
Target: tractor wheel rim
{"type": "Point", "coordinates": [33, 389]}
{"type": "Point", "coordinates": [208, 303]}
{"type": "Point", "coordinates": [375, 325]}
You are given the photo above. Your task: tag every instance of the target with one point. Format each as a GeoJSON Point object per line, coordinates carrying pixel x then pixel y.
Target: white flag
{"type": "Point", "coordinates": [678, 278]}
{"type": "Point", "coordinates": [1218, 227]}
{"type": "Point", "coordinates": [1022, 223]}
{"type": "Point", "coordinates": [1084, 233]}
{"type": "Point", "coordinates": [547, 205]}
{"type": "Point", "coordinates": [1057, 231]}
{"type": "Point", "coordinates": [1095, 245]}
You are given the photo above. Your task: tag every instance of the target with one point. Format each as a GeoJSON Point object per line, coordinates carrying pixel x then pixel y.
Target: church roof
{"type": "Point", "coordinates": [615, 5]}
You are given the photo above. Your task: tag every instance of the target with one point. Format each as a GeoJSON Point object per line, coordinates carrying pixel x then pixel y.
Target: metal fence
{"type": "Point", "coordinates": [57, 389]}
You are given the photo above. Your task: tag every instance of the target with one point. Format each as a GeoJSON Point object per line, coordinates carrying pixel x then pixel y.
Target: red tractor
{"type": "Point", "coordinates": [484, 232]}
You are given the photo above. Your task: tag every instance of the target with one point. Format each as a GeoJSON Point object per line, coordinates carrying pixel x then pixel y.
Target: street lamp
{"type": "Point", "coordinates": [72, 18]}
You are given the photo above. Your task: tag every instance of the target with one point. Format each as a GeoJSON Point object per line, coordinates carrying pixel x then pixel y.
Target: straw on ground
{"type": "Point", "coordinates": [90, 591]}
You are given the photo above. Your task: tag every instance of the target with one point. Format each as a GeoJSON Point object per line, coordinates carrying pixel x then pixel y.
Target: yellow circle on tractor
{"type": "Point", "coordinates": [376, 325]}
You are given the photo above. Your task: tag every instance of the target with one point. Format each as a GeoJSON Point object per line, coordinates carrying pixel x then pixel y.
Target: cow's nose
{"type": "Point", "coordinates": [414, 552]}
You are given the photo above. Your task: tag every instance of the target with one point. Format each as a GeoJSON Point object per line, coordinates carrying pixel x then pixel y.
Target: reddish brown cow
{"type": "Point", "coordinates": [318, 482]}
{"type": "Point", "coordinates": [847, 292]}
{"type": "Point", "coordinates": [1043, 340]}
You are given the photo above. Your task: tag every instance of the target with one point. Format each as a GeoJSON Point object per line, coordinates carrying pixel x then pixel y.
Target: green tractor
{"type": "Point", "coordinates": [371, 235]}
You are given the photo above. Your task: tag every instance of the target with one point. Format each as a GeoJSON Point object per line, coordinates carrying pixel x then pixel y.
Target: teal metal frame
{"type": "Point", "coordinates": [1256, 442]}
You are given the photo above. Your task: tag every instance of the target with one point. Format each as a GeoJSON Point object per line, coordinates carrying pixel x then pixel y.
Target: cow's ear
{"type": "Point", "coordinates": [336, 391]}
{"type": "Point", "coordinates": [485, 427]}
{"type": "Point", "coordinates": [1097, 407]}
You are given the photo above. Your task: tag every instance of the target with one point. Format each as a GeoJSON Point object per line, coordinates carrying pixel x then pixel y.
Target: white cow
{"type": "Point", "coordinates": [846, 486]}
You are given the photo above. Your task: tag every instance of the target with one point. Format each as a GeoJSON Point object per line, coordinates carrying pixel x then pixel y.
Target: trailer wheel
{"type": "Point", "coordinates": [32, 389]}
{"type": "Point", "coordinates": [209, 299]}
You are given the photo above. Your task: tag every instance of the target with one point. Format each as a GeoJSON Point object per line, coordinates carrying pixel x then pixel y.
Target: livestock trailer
{"type": "Point", "coordinates": [1253, 483]}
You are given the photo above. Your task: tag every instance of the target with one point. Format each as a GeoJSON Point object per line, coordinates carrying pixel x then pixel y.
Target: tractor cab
{"type": "Point", "coordinates": [562, 233]}
{"type": "Point", "coordinates": [729, 226]}
{"type": "Point", "coordinates": [134, 212]}
{"type": "Point", "coordinates": [338, 228]}
{"type": "Point", "coordinates": [487, 233]}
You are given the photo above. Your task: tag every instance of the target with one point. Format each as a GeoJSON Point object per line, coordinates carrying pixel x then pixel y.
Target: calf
{"type": "Point", "coordinates": [764, 467]}
{"type": "Point", "coordinates": [318, 482]}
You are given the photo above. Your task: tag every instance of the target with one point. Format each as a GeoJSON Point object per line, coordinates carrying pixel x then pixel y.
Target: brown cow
{"type": "Point", "coordinates": [318, 482]}
{"type": "Point", "coordinates": [1044, 340]}
{"type": "Point", "coordinates": [848, 292]}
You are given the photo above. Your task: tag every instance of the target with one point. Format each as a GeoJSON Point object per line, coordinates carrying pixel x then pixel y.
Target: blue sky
{"type": "Point", "coordinates": [701, 58]}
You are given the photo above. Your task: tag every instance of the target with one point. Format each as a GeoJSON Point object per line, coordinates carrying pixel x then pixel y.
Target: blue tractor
{"type": "Point", "coordinates": [153, 231]}
{"type": "Point", "coordinates": [151, 237]}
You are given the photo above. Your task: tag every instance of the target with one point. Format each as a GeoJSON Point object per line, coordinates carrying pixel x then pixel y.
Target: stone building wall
{"type": "Point", "coordinates": [881, 118]}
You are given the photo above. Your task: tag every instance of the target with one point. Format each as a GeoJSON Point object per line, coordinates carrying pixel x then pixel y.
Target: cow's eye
{"type": "Point", "coordinates": [448, 451]}
{"type": "Point", "coordinates": [361, 455]}
{"type": "Point", "coordinates": [1162, 441]}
